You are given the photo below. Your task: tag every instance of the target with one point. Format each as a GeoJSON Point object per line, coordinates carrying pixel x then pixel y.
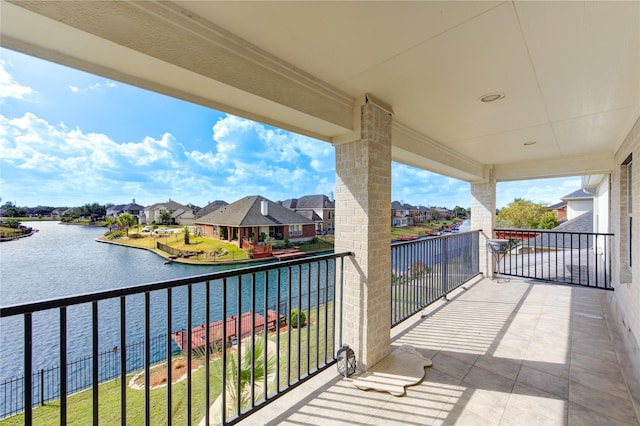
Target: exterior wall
{"type": "Point", "coordinates": [206, 230]}
{"type": "Point", "coordinates": [561, 213]}
{"type": "Point", "coordinates": [601, 206]}
{"type": "Point", "coordinates": [577, 207]}
{"type": "Point", "coordinates": [187, 218]}
{"type": "Point", "coordinates": [625, 300]}
{"type": "Point", "coordinates": [483, 217]}
{"type": "Point", "coordinates": [308, 231]}
{"type": "Point", "coordinates": [363, 226]}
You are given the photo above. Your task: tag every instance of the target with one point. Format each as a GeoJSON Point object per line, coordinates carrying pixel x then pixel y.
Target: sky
{"type": "Point", "coordinates": [69, 138]}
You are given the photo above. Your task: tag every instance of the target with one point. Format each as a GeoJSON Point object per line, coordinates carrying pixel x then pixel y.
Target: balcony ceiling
{"type": "Point", "coordinates": [570, 71]}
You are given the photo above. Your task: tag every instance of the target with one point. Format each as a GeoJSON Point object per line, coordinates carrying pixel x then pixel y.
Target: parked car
{"type": "Point", "coordinates": [162, 231]}
{"type": "Point", "coordinates": [147, 229]}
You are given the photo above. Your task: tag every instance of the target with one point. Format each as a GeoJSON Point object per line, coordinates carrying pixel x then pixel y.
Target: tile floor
{"type": "Point", "coordinates": [515, 353]}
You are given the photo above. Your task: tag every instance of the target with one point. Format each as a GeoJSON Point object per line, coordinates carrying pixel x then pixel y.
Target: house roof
{"type": "Point", "coordinates": [580, 194]}
{"type": "Point", "coordinates": [168, 205]}
{"type": "Point", "coordinates": [318, 201]}
{"type": "Point", "coordinates": [132, 206]}
{"type": "Point", "coordinates": [580, 225]}
{"type": "Point", "coordinates": [291, 203]}
{"type": "Point", "coordinates": [557, 206]}
{"type": "Point", "coordinates": [247, 212]}
{"type": "Point", "coordinates": [215, 205]}
{"type": "Point", "coordinates": [310, 214]}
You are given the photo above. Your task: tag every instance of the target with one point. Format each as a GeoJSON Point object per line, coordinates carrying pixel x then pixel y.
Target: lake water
{"type": "Point", "coordinates": [65, 260]}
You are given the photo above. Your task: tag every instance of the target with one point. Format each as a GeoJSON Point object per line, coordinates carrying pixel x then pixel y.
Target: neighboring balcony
{"type": "Point", "coordinates": [504, 351]}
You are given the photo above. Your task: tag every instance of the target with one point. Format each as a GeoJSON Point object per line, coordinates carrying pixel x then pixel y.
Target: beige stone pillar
{"type": "Point", "coordinates": [363, 226]}
{"type": "Point", "coordinates": [483, 216]}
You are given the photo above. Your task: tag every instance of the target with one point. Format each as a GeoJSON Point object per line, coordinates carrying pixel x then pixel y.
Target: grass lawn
{"type": "Point", "coordinates": [418, 230]}
{"type": "Point", "coordinates": [10, 232]}
{"type": "Point", "coordinates": [196, 244]}
{"type": "Point", "coordinates": [323, 243]}
{"type": "Point", "coordinates": [303, 347]}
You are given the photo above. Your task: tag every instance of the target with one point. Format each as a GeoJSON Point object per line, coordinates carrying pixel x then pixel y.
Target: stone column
{"type": "Point", "coordinates": [483, 216]}
{"type": "Point", "coordinates": [363, 226]}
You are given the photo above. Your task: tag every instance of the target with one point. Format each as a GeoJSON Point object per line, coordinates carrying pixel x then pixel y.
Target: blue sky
{"type": "Point", "coordinates": [69, 138]}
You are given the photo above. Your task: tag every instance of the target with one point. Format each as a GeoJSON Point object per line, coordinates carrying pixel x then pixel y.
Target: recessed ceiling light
{"type": "Point", "coordinates": [490, 97]}
{"type": "Point", "coordinates": [529, 143]}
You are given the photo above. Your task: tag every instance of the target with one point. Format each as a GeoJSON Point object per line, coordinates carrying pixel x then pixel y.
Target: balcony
{"type": "Point", "coordinates": [516, 353]}
{"type": "Point", "coordinates": [511, 352]}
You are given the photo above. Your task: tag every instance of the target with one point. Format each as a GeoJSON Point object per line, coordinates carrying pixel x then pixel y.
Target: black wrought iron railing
{"type": "Point", "coordinates": [579, 258]}
{"type": "Point", "coordinates": [240, 338]}
{"type": "Point", "coordinates": [427, 269]}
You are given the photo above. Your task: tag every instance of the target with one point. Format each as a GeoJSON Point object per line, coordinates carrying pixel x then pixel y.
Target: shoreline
{"type": "Point", "coordinates": [170, 260]}
{"type": "Point", "coordinates": [167, 256]}
{"type": "Point", "coordinates": [17, 237]}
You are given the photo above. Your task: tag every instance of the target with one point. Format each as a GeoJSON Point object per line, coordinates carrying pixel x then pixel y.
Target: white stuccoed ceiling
{"type": "Point", "coordinates": [570, 71]}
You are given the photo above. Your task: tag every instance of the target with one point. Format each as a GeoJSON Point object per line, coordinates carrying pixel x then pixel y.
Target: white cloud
{"type": "Point", "coordinates": [546, 191]}
{"type": "Point", "coordinates": [92, 166]}
{"type": "Point", "coordinates": [9, 88]}
{"type": "Point", "coordinates": [420, 187]}
{"type": "Point", "coordinates": [96, 86]}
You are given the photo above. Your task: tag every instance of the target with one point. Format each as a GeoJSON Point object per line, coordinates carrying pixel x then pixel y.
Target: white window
{"type": "Point", "coordinates": [295, 230]}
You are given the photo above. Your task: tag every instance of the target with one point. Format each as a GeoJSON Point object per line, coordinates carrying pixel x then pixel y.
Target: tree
{"type": "Point", "coordinates": [460, 212]}
{"type": "Point", "coordinates": [186, 233]}
{"type": "Point", "coordinates": [13, 223]}
{"type": "Point", "coordinates": [110, 221]}
{"type": "Point", "coordinates": [548, 220]}
{"type": "Point", "coordinates": [126, 220]}
{"type": "Point", "coordinates": [165, 217]}
{"type": "Point", "coordinates": [521, 213]}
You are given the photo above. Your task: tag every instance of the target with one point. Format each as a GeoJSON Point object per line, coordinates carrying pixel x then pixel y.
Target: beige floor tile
{"type": "Point", "coordinates": [582, 416]}
{"type": "Point", "coordinates": [514, 347]}
{"type": "Point", "coordinates": [615, 407]}
{"type": "Point", "coordinates": [558, 369]}
{"type": "Point", "coordinates": [451, 365]}
{"type": "Point", "coordinates": [551, 384]}
{"type": "Point", "coordinates": [488, 380]}
{"type": "Point", "coordinates": [506, 367]}
{"type": "Point", "coordinates": [475, 407]}
{"type": "Point", "coordinates": [529, 406]}
{"type": "Point", "coordinates": [611, 383]}
{"type": "Point", "coordinates": [593, 349]}
{"type": "Point", "coordinates": [596, 365]}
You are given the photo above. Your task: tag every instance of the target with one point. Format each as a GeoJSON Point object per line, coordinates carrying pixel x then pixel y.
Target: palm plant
{"type": "Point", "coordinates": [186, 233]}
{"type": "Point", "coordinates": [242, 367]}
{"type": "Point", "coordinates": [126, 220]}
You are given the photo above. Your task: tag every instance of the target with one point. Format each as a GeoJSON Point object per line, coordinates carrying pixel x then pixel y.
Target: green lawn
{"type": "Point", "coordinates": [418, 230]}
{"type": "Point", "coordinates": [196, 244]}
{"type": "Point", "coordinates": [79, 406]}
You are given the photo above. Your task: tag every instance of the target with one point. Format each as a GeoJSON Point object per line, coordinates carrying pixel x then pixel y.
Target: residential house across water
{"type": "Point", "coordinates": [253, 218]}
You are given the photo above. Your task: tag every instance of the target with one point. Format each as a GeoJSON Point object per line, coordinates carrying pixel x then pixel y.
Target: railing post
{"type": "Point", "coordinates": [444, 260]}
{"type": "Point", "coordinates": [42, 387]}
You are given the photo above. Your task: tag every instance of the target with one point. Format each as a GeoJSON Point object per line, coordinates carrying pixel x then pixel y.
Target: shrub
{"type": "Point", "coordinates": [115, 234]}
{"type": "Point", "coordinates": [135, 236]}
{"type": "Point", "coordinates": [297, 319]}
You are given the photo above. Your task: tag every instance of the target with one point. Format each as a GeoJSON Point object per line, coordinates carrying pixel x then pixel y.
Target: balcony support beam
{"type": "Point", "coordinates": [363, 226]}
{"type": "Point", "coordinates": [483, 216]}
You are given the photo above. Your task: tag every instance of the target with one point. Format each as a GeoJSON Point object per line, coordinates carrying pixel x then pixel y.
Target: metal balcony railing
{"type": "Point", "coordinates": [579, 258]}
{"type": "Point", "coordinates": [286, 333]}
{"type": "Point", "coordinates": [427, 269]}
